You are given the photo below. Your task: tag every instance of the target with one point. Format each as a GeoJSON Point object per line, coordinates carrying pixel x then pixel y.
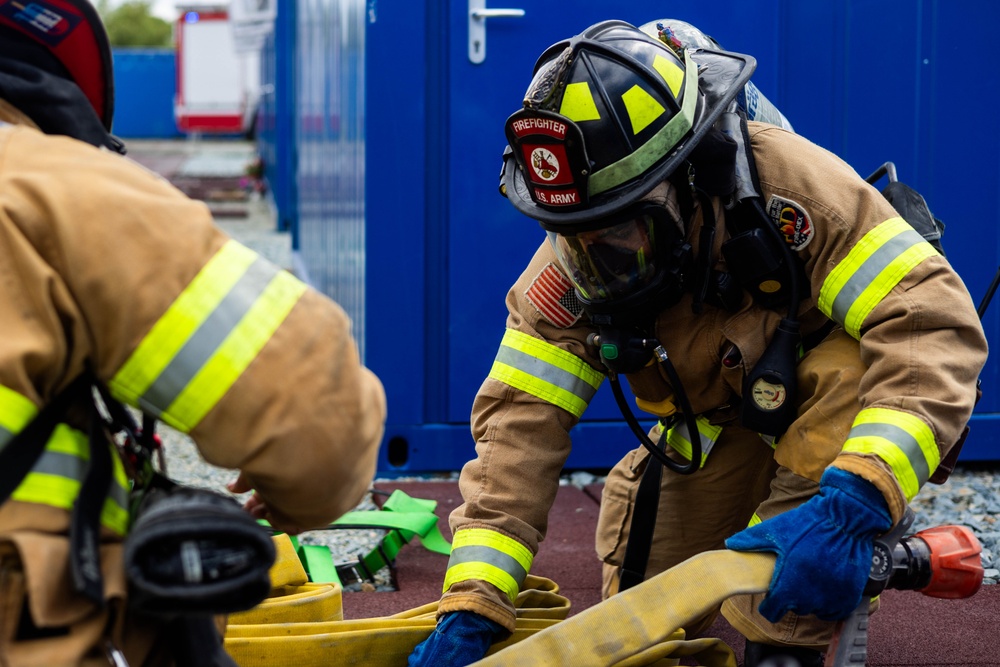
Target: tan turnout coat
{"type": "Point", "coordinates": [918, 353]}
{"type": "Point", "coordinates": [94, 249]}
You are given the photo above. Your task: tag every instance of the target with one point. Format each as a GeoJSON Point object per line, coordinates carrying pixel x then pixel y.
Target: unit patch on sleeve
{"type": "Point", "coordinates": [553, 296]}
{"type": "Point", "coordinates": [792, 221]}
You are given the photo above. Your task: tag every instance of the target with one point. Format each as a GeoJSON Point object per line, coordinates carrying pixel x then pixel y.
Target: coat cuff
{"type": "Point", "coordinates": [875, 470]}
{"type": "Point", "coordinates": [481, 598]}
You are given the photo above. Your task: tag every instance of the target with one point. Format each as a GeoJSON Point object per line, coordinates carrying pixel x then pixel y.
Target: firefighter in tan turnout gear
{"type": "Point", "coordinates": [810, 356]}
{"type": "Point", "coordinates": [113, 281]}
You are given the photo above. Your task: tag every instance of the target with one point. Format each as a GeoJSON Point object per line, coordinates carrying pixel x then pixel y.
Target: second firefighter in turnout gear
{"type": "Point", "coordinates": [768, 306]}
{"type": "Point", "coordinates": [110, 278]}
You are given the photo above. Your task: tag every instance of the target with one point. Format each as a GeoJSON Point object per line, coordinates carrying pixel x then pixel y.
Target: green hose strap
{"type": "Point", "coordinates": [403, 516]}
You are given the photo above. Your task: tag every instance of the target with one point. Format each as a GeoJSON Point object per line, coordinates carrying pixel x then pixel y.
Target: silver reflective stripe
{"type": "Point", "coordinates": [75, 468]}
{"type": "Point", "coordinates": [498, 559]}
{"type": "Point", "coordinates": [906, 443]}
{"type": "Point", "coordinates": [869, 270]}
{"type": "Point", "coordinates": [543, 370]}
{"type": "Point", "coordinates": [203, 343]}
{"type": "Point", "coordinates": [5, 437]}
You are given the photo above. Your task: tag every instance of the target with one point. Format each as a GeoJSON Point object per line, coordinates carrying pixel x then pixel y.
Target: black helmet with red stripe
{"type": "Point", "coordinates": [72, 32]}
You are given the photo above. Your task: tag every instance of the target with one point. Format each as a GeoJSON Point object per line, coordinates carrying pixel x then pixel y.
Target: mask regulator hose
{"type": "Point", "coordinates": [658, 450]}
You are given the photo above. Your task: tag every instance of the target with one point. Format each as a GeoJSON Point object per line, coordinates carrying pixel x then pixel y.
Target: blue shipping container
{"type": "Point", "coordinates": [145, 82]}
{"type": "Point", "coordinates": [399, 113]}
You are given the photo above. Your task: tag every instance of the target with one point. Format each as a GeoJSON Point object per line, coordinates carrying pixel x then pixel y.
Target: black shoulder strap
{"type": "Point", "coordinates": [23, 452]}
{"type": "Point", "coordinates": [640, 534]}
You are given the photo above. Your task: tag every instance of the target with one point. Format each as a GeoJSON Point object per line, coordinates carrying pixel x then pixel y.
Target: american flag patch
{"type": "Point", "coordinates": [552, 295]}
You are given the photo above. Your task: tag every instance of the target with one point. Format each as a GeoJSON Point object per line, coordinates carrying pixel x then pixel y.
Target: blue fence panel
{"type": "Point", "coordinates": [275, 124]}
{"type": "Point", "coordinates": [398, 141]}
{"type": "Point", "coordinates": [145, 83]}
{"type": "Point", "coordinates": [330, 160]}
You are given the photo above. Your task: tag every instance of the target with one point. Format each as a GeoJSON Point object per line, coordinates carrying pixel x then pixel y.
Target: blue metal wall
{"type": "Point", "coordinates": [398, 140]}
{"type": "Point", "coordinates": [145, 82]}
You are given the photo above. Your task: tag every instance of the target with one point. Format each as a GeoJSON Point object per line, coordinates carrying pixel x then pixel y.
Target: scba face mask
{"type": "Point", "coordinates": [628, 265]}
{"type": "Point", "coordinates": [613, 262]}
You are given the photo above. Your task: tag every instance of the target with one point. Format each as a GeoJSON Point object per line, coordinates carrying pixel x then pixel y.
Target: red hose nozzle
{"type": "Point", "coordinates": [955, 564]}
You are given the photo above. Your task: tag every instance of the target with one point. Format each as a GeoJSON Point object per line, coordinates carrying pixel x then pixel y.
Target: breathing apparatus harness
{"type": "Point", "coordinates": [580, 180]}
{"type": "Point", "coordinates": [190, 554]}
{"type": "Point", "coordinates": [583, 157]}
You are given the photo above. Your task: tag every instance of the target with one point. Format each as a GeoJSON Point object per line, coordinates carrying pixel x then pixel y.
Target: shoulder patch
{"type": "Point", "coordinates": [792, 221]}
{"type": "Point", "coordinates": [553, 296]}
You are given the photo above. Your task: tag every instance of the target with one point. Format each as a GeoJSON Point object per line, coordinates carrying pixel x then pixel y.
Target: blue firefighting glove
{"type": "Point", "coordinates": [460, 638]}
{"type": "Point", "coordinates": [824, 548]}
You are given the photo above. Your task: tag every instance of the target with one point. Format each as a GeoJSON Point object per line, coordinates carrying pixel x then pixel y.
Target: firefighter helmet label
{"type": "Point", "coordinates": [792, 221]}
{"type": "Point", "coordinates": [549, 152]}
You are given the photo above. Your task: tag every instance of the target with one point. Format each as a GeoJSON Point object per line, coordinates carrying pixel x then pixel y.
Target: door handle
{"type": "Point", "coordinates": [478, 13]}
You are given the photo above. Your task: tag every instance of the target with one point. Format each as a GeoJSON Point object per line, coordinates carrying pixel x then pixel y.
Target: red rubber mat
{"type": "Point", "coordinates": [909, 630]}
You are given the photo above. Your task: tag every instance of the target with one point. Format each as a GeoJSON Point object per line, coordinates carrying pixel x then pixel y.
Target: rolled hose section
{"type": "Point", "coordinates": [637, 619]}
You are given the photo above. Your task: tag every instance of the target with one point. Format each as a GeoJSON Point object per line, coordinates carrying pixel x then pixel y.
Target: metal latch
{"type": "Point", "coordinates": [478, 13]}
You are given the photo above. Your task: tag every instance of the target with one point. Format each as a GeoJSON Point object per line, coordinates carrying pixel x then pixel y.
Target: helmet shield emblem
{"type": "Point", "coordinates": [549, 151]}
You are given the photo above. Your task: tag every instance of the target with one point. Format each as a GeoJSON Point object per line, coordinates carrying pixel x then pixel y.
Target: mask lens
{"type": "Point", "coordinates": [612, 262]}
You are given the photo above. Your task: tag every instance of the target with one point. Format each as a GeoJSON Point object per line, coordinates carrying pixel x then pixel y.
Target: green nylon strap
{"type": "Point", "coordinates": [403, 516]}
{"type": "Point", "coordinates": [318, 563]}
{"type": "Point", "coordinates": [431, 539]}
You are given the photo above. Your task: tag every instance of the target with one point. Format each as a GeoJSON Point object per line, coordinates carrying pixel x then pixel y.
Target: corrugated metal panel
{"type": "Point", "coordinates": [330, 136]}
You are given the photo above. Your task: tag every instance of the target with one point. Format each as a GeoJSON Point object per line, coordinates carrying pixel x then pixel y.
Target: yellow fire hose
{"type": "Point", "coordinates": [303, 624]}
{"type": "Point", "coordinates": [639, 626]}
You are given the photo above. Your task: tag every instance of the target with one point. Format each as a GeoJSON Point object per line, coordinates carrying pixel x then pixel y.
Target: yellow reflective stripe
{"type": "Point", "coordinates": [870, 270]}
{"type": "Point", "coordinates": [60, 492]}
{"type": "Point", "coordinates": [578, 103]}
{"type": "Point", "coordinates": [658, 145]}
{"type": "Point", "coordinates": [207, 337]}
{"type": "Point", "coordinates": [483, 537]}
{"type": "Point", "coordinates": [198, 300]}
{"type": "Point", "coordinates": [754, 520]}
{"type": "Point", "coordinates": [114, 517]}
{"type": "Point", "coordinates": [16, 411]}
{"type": "Point", "coordinates": [545, 371]}
{"type": "Point", "coordinates": [679, 440]}
{"type": "Point", "coordinates": [481, 572]}
{"type": "Point", "coordinates": [671, 73]}
{"type": "Point", "coordinates": [642, 108]}
{"type": "Point", "coordinates": [479, 553]}
{"type": "Point", "coordinates": [240, 348]}
{"type": "Point", "coordinates": [900, 439]}
{"type": "Point", "coordinates": [57, 476]}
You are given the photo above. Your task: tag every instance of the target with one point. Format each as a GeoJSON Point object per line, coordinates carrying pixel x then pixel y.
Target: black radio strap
{"type": "Point", "coordinates": [85, 527]}
{"type": "Point", "coordinates": [640, 534]}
